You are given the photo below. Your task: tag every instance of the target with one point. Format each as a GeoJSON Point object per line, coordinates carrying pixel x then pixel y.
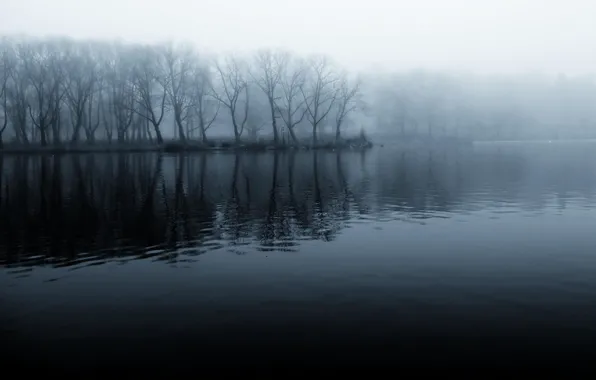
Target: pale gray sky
{"type": "Point", "coordinates": [482, 35]}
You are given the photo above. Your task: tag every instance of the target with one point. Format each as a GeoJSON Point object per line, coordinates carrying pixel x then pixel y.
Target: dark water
{"type": "Point", "coordinates": [484, 256]}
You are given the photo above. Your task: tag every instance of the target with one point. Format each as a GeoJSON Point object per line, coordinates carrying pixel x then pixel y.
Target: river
{"type": "Point", "coordinates": [384, 257]}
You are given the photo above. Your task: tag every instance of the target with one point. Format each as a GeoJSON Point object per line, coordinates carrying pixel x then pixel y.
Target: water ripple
{"type": "Point", "coordinates": [165, 211]}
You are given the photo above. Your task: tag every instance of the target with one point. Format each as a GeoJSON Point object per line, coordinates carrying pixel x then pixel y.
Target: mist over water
{"type": "Point", "coordinates": [325, 183]}
{"type": "Point", "coordinates": [430, 255]}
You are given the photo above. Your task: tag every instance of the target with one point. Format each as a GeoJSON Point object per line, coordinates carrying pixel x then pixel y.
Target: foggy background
{"type": "Point", "coordinates": [484, 36]}
{"type": "Point", "coordinates": [439, 245]}
{"type": "Point", "coordinates": [483, 70]}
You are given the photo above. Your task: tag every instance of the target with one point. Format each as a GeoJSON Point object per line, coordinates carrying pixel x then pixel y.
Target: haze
{"type": "Point", "coordinates": [484, 36]}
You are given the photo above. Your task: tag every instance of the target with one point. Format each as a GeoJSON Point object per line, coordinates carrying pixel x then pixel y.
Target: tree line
{"type": "Point", "coordinates": [482, 107]}
{"type": "Point", "coordinates": [62, 91]}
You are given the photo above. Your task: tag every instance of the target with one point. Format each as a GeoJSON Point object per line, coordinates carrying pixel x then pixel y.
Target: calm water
{"type": "Point", "coordinates": [486, 254]}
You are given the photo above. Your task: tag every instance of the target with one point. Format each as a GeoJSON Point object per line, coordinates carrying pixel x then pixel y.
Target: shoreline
{"type": "Point", "coordinates": [175, 147]}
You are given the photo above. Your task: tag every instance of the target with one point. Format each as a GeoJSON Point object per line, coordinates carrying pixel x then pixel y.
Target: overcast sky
{"type": "Point", "coordinates": [550, 36]}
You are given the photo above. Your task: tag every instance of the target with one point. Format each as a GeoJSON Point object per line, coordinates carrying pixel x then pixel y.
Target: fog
{"type": "Point", "coordinates": [484, 35]}
{"type": "Point", "coordinates": [475, 70]}
{"type": "Point", "coordinates": [290, 183]}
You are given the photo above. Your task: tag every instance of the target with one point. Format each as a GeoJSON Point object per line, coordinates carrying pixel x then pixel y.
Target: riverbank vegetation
{"type": "Point", "coordinates": [61, 94]}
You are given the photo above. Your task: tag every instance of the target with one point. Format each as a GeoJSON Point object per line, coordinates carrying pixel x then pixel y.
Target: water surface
{"type": "Point", "coordinates": [382, 257]}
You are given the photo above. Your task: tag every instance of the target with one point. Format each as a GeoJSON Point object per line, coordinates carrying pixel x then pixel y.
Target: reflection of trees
{"type": "Point", "coordinates": [62, 207]}
{"type": "Point", "coordinates": [427, 185]}
{"type": "Point", "coordinates": [343, 183]}
{"type": "Point", "coordinates": [75, 209]}
{"type": "Point", "coordinates": [268, 231]}
{"type": "Point", "coordinates": [144, 222]}
{"type": "Point", "coordinates": [322, 226]}
{"type": "Point", "coordinates": [236, 210]}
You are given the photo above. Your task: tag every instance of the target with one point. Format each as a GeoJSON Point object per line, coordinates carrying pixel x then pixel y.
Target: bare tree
{"type": "Point", "coordinates": [6, 68]}
{"type": "Point", "coordinates": [232, 86]}
{"type": "Point", "coordinates": [121, 92]}
{"type": "Point", "coordinates": [103, 55]}
{"type": "Point", "coordinates": [319, 93]}
{"type": "Point", "coordinates": [346, 102]}
{"type": "Point", "coordinates": [207, 106]}
{"type": "Point", "coordinates": [254, 126]}
{"type": "Point", "coordinates": [105, 107]}
{"type": "Point", "coordinates": [93, 119]}
{"type": "Point", "coordinates": [122, 103]}
{"type": "Point", "coordinates": [16, 95]}
{"type": "Point", "coordinates": [258, 116]}
{"type": "Point", "coordinates": [180, 63]}
{"type": "Point", "coordinates": [44, 71]}
{"type": "Point", "coordinates": [291, 106]}
{"type": "Point", "coordinates": [270, 66]}
{"type": "Point", "coordinates": [80, 79]}
{"type": "Point", "coordinates": [151, 87]}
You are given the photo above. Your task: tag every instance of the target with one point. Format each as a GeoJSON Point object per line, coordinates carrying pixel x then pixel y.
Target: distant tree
{"type": "Point", "coordinates": [17, 93]}
{"type": "Point", "coordinates": [121, 92]}
{"type": "Point", "coordinates": [180, 65]}
{"type": "Point", "coordinates": [233, 86]}
{"type": "Point", "coordinates": [206, 104]}
{"type": "Point", "coordinates": [80, 79]}
{"type": "Point", "coordinates": [151, 88]}
{"type": "Point", "coordinates": [6, 68]}
{"type": "Point", "coordinates": [258, 113]}
{"type": "Point", "coordinates": [269, 66]}
{"type": "Point", "coordinates": [346, 102]}
{"type": "Point", "coordinates": [44, 68]}
{"type": "Point", "coordinates": [291, 105]}
{"type": "Point", "coordinates": [93, 111]}
{"type": "Point", "coordinates": [319, 93]}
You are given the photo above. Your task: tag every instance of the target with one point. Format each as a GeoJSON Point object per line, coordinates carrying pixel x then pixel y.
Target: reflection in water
{"type": "Point", "coordinates": [76, 210]}
{"type": "Point", "coordinates": [336, 258]}
{"type": "Point", "coordinates": [67, 210]}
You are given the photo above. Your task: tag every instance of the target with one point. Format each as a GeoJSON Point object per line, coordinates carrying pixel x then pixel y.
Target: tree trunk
{"type": "Point", "coordinates": [149, 136]}
{"type": "Point", "coordinates": [293, 135]}
{"type": "Point", "coordinates": [56, 133]}
{"type": "Point", "coordinates": [180, 126]}
{"type": "Point", "coordinates": [121, 135]}
{"type": "Point", "coordinates": [42, 132]}
{"type": "Point", "coordinates": [158, 135]}
{"type": "Point", "coordinates": [337, 132]}
{"type": "Point", "coordinates": [188, 132]}
{"type": "Point", "coordinates": [145, 130]}
{"type": "Point", "coordinates": [89, 134]}
{"type": "Point", "coordinates": [274, 122]}
{"type": "Point", "coordinates": [236, 133]}
{"type": "Point", "coordinates": [77, 130]}
{"type": "Point", "coordinates": [109, 134]}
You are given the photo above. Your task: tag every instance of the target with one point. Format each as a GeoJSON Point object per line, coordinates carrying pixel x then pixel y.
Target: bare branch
{"type": "Point", "coordinates": [151, 88]}
{"type": "Point", "coordinates": [180, 63]}
{"type": "Point", "coordinates": [320, 92]}
{"type": "Point", "coordinates": [346, 102]}
{"type": "Point", "coordinates": [232, 84]}
{"type": "Point", "coordinates": [270, 66]}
